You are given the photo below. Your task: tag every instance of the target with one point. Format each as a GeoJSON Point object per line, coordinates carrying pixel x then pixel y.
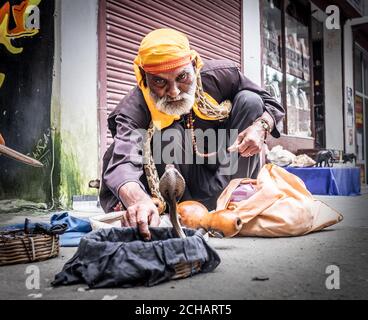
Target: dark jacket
{"type": "Point", "coordinates": [123, 161]}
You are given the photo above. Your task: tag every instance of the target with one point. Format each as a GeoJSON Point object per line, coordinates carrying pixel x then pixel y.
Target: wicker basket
{"type": "Point", "coordinates": [185, 270]}
{"type": "Point", "coordinates": [25, 248]}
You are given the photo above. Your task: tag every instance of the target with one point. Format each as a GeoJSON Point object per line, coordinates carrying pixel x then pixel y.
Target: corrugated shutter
{"type": "Point", "coordinates": [213, 28]}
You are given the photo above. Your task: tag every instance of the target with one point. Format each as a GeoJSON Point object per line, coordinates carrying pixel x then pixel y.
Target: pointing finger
{"type": "Point", "coordinates": [132, 217]}
{"type": "Point", "coordinates": [142, 222]}
{"type": "Point", "coordinates": [154, 219]}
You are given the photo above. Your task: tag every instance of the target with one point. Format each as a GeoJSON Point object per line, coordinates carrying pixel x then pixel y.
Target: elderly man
{"type": "Point", "coordinates": [176, 91]}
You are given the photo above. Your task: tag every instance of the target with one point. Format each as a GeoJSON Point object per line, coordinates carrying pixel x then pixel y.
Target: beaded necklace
{"type": "Point", "coordinates": [190, 125]}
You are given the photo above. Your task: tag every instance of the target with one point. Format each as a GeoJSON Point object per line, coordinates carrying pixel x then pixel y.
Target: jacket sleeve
{"type": "Point", "coordinates": [126, 162]}
{"type": "Point", "coordinates": [227, 80]}
{"type": "Point", "coordinates": [271, 105]}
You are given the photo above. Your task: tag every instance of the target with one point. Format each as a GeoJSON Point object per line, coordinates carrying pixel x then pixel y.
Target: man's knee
{"type": "Point", "coordinates": [249, 104]}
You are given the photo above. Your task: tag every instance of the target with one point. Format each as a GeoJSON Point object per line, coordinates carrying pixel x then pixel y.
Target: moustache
{"type": "Point", "coordinates": [182, 96]}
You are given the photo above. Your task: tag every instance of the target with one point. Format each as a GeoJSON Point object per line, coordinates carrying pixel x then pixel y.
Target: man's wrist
{"type": "Point", "coordinates": [264, 125]}
{"type": "Point", "coordinates": [266, 116]}
{"type": "Point", "coordinates": [131, 193]}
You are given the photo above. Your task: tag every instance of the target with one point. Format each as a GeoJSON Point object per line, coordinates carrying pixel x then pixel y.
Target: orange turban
{"type": "Point", "coordinates": [163, 50]}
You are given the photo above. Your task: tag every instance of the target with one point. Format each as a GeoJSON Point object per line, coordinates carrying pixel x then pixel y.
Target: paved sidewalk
{"type": "Point", "coordinates": [295, 267]}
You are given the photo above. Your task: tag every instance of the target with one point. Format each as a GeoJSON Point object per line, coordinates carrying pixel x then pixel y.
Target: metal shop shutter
{"type": "Point", "coordinates": [213, 28]}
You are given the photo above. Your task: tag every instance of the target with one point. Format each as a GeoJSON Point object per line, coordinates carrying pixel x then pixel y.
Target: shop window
{"type": "Point", "coordinates": [272, 48]}
{"type": "Point", "coordinates": [286, 61]}
{"type": "Point", "coordinates": [318, 85]}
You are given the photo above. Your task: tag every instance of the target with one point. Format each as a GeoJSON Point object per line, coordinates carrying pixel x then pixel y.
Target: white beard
{"type": "Point", "coordinates": [183, 105]}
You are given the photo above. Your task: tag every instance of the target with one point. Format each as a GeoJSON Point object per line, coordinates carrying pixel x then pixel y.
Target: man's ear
{"type": "Point", "coordinates": [194, 64]}
{"type": "Point", "coordinates": [143, 73]}
{"type": "Point", "coordinates": [195, 69]}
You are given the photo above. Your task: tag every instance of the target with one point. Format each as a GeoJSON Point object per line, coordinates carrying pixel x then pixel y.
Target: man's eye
{"type": "Point", "coordinates": [182, 77]}
{"type": "Point", "coordinates": [159, 81]}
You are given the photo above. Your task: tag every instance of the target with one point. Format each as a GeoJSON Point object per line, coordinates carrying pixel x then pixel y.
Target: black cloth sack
{"type": "Point", "coordinates": [118, 257]}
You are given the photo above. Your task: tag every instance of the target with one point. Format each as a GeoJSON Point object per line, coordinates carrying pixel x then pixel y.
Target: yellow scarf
{"type": "Point", "coordinates": [163, 50]}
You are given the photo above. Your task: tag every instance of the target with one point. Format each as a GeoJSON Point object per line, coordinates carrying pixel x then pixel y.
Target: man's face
{"type": "Point", "coordinates": [173, 92]}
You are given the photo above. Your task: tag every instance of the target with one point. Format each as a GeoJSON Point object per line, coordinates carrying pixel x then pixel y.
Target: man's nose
{"type": "Point", "coordinates": [173, 90]}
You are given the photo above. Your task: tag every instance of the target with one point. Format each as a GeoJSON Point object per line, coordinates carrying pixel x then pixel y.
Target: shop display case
{"type": "Point", "coordinates": [286, 61]}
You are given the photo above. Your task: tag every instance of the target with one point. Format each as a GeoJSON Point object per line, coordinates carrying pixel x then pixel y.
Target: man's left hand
{"type": "Point", "coordinates": [250, 141]}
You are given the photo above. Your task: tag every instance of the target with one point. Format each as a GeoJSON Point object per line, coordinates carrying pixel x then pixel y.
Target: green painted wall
{"type": "Point", "coordinates": [76, 169]}
{"type": "Point", "coordinates": [74, 99]}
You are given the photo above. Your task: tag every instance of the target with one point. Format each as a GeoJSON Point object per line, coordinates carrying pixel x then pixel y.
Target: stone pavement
{"type": "Point", "coordinates": [291, 268]}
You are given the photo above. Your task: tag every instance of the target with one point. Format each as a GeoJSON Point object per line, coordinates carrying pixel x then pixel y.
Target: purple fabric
{"type": "Point", "coordinates": [243, 192]}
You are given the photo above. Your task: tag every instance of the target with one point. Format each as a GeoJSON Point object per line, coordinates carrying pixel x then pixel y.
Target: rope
{"type": "Point", "coordinates": [151, 171]}
{"type": "Point", "coordinates": [209, 109]}
{"type": "Point", "coordinates": [52, 247]}
{"type": "Point", "coordinates": [33, 249]}
{"type": "Point", "coordinates": [33, 257]}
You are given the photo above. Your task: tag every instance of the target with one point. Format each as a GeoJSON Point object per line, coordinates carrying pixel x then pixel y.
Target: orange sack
{"type": "Point", "coordinates": [282, 206]}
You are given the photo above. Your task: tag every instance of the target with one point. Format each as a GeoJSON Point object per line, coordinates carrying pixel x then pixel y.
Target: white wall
{"type": "Point", "coordinates": [349, 83]}
{"type": "Point", "coordinates": [333, 89]}
{"type": "Point", "coordinates": [76, 24]}
{"type": "Point", "coordinates": [252, 40]}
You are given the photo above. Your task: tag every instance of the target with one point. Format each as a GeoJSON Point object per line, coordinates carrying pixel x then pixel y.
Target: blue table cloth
{"type": "Point", "coordinates": [329, 181]}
